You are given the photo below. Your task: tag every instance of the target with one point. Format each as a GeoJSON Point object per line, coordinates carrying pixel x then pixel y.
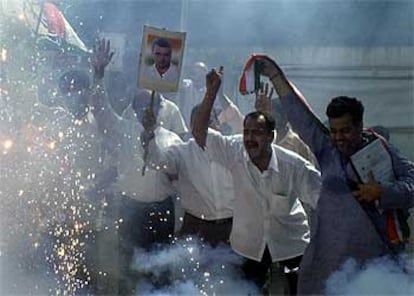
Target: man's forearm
{"type": "Point", "coordinates": [101, 107]}
{"type": "Point", "coordinates": [202, 118]}
{"type": "Point", "coordinates": [281, 85]}
{"type": "Point", "coordinates": [99, 95]}
{"type": "Point", "coordinates": [300, 115]}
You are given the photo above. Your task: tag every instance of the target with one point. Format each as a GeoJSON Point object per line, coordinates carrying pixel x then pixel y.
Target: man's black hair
{"type": "Point", "coordinates": [269, 120]}
{"type": "Point", "coordinates": [161, 42]}
{"type": "Point", "coordinates": [342, 105]}
{"type": "Point", "coordinates": [73, 80]}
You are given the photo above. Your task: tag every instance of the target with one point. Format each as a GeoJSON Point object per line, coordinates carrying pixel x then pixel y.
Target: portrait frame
{"type": "Point", "coordinates": [148, 75]}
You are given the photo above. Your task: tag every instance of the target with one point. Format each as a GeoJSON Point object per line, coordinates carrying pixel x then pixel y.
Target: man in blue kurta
{"type": "Point", "coordinates": [352, 217]}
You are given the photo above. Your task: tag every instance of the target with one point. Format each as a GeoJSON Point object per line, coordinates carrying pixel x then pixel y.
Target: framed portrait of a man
{"type": "Point", "coordinates": [161, 59]}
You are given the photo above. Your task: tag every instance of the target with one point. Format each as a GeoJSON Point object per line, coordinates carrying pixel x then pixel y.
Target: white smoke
{"type": "Point", "coordinates": [382, 276]}
{"type": "Point", "coordinates": [191, 268]}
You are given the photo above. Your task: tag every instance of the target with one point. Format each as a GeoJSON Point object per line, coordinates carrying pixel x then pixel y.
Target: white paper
{"type": "Point", "coordinates": [373, 157]}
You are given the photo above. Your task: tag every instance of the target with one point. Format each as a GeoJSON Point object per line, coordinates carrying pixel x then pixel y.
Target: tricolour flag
{"type": "Point", "coordinates": [52, 30]}
{"type": "Point", "coordinates": [248, 80]}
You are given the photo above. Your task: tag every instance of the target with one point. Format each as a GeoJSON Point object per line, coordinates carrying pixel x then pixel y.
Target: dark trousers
{"type": "Point", "coordinates": [258, 272]}
{"type": "Point", "coordinates": [213, 232]}
{"type": "Point", "coordinates": [144, 226]}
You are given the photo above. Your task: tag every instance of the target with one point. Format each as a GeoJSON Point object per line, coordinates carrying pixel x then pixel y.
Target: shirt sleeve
{"type": "Point", "coordinates": [306, 124]}
{"type": "Point", "coordinates": [174, 121]}
{"type": "Point", "coordinates": [165, 159]}
{"type": "Point", "coordinates": [155, 184]}
{"type": "Point", "coordinates": [222, 149]}
{"type": "Point", "coordinates": [308, 182]}
{"type": "Point", "coordinates": [400, 193]}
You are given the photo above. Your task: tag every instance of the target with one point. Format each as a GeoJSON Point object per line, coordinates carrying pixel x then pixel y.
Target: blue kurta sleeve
{"type": "Point", "coordinates": [306, 124]}
{"type": "Point", "coordinates": [400, 193]}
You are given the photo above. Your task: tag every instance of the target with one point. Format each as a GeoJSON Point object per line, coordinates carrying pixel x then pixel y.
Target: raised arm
{"type": "Point", "coordinates": [299, 113]}
{"type": "Point", "coordinates": [201, 122]}
{"type": "Point", "coordinates": [105, 116]}
{"type": "Point", "coordinates": [277, 77]}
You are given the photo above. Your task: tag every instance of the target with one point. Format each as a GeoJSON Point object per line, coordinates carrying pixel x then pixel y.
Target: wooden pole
{"type": "Point", "coordinates": [39, 18]}
{"type": "Point", "coordinates": [150, 107]}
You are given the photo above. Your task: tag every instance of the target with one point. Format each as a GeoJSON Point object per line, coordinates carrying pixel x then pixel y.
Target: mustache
{"type": "Point", "coordinates": [251, 143]}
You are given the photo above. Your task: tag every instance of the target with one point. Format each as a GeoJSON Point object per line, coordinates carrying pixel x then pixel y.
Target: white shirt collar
{"type": "Point", "coordinates": [273, 164]}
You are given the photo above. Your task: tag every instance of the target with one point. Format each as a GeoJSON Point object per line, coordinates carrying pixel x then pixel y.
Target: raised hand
{"type": "Point", "coordinates": [213, 82]}
{"type": "Point", "coordinates": [101, 57]}
{"type": "Point", "coordinates": [146, 136]}
{"type": "Point", "coordinates": [264, 99]}
{"type": "Point", "coordinates": [148, 119]}
{"type": "Point", "coordinates": [269, 68]}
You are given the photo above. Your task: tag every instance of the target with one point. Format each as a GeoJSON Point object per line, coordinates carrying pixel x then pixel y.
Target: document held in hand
{"type": "Point", "coordinates": [376, 158]}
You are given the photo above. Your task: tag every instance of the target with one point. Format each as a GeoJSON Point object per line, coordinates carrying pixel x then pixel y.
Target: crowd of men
{"type": "Point", "coordinates": [275, 185]}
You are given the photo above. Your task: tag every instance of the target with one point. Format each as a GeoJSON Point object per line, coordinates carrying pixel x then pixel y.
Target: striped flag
{"type": "Point", "coordinates": [52, 30]}
{"type": "Point", "coordinates": [248, 80]}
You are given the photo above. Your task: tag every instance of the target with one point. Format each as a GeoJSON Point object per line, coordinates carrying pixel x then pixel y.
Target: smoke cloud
{"type": "Point", "coordinates": [192, 268]}
{"type": "Point", "coordinates": [380, 277]}
{"type": "Point", "coordinates": [45, 210]}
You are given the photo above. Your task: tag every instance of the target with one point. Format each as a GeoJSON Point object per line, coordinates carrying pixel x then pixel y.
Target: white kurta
{"type": "Point", "coordinates": [205, 187]}
{"type": "Point", "coordinates": [154, 185]}
{"type": "Point", "coordinates": [267, 210]}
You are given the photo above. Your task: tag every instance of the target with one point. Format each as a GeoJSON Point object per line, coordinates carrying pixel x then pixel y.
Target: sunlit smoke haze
{"type": "Point", "coordinates": [47, 157]}
{"type": "Point", "coordinates": [192, 268]}
{"type": "Point", "coordinates": [379, 277]}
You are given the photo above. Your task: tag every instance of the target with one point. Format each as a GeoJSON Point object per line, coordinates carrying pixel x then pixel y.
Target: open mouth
{"type": "Point", "coordinates": [251, 145]}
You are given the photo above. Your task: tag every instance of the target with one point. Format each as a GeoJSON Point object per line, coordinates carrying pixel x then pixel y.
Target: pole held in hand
{"type": "Point", "coordinates": [150, 107]}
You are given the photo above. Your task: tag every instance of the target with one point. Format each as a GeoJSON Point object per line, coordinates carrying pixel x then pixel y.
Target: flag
{"type": "Point", "coordinates": [248, 80]}
{"type": "Point", "coordinates": [52, 30]}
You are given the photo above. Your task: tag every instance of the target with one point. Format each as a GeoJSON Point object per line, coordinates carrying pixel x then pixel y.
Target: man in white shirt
{"type": "Point", "coordinates": [162, 69]}
{"type": "Point", "coordinates": [205, 187]}
{"type": "Point", "coordinates": [269, 222]}
{"type": "Point", "coordinates": [141, 224]}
